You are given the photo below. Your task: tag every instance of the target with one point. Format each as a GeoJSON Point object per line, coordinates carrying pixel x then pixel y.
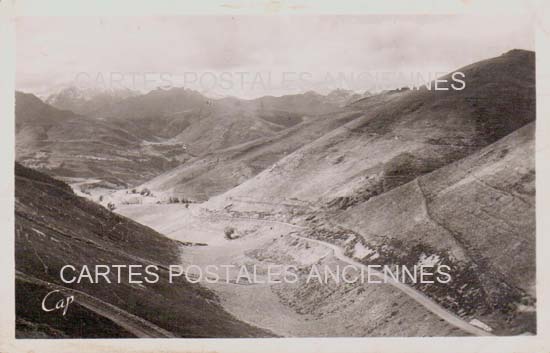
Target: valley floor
{"type": "Point", "coordinates": [294, 310]}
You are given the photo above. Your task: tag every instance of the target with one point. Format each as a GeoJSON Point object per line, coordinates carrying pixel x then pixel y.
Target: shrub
{"type": "Point", "coordinates": [229, 232]}
{"type": "Point", "coordinates": [173, 199]}
{"type": "Point", "coordinates": [111, 206]}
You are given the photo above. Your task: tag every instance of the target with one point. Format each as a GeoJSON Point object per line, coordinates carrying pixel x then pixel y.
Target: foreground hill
{"type": "Point", "coordinates": [401, 135]}
{"type": "Point", "coordinates": [65, 144]}
{"type": "Point", "coordinates": [54, 228]}
{"type": "Point", "coordinates": [476, 215]}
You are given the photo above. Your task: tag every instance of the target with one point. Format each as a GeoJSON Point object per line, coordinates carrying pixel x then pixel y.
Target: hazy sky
{"type": "Point", "coordinates": [252, 56]}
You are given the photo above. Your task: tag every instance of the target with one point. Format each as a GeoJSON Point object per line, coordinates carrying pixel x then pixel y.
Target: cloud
{"type": "Point", "coordinates": [52, 50]}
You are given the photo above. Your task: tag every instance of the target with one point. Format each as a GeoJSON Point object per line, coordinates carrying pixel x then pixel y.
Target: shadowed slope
{"type": "Point", "coordinates": [55, 228]}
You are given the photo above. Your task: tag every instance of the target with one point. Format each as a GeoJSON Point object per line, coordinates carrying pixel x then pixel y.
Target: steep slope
{"type": "Point", "coordinates": [402, 134]}
{"type": "Point", "coordinates": [219, 171]}
{"type": "Point", "coordinates": [54, 228]}
{"type": "Point", "coordinates": [476, 215]}
{"type": "Point", "coordinates": [65, 144]}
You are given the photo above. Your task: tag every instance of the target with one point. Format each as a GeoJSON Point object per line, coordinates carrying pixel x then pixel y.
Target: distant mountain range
{"type": "Point", "coordinates": [85, 101]}
{"type": "Point", "coordinates": [65, 144]}
{"type": "Point", "coordinates": [91, 134]}
{"type": "Point", "coordinates": [373, 145]}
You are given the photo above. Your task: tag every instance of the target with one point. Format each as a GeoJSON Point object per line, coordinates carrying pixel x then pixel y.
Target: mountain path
{"type": "Point", "coordinates": [411, 292]}
{"type": "Point", "coordinates": [416, 295]}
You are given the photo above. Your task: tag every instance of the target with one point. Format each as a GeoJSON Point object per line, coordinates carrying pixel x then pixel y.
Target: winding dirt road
{"type": "Point", "coordinates": [414, 294]}
{"type": "Point", "coordinates": [411, 292]}
{"type": "Point", "coordinates": [418, 296]}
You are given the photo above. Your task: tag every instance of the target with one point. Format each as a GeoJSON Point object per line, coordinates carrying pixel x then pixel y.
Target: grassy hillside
{"type": "Point", "coordinates": [219, 171]}
{"type": "Point", "coordinates": [476, 215]}
{"type": "Point", "coordinates": [401, 135]}
{"type": "Point", "coordinates": [445, 176]}
{"type": "Point", "coordinates": [54, 228]}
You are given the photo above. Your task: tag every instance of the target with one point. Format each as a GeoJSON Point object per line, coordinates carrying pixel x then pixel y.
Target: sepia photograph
{"type": "Point", "coordinates": [262, 176]}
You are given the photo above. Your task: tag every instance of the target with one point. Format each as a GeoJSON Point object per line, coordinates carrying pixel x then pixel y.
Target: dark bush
{"type": "Point", "coordinates": [229, 232]}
